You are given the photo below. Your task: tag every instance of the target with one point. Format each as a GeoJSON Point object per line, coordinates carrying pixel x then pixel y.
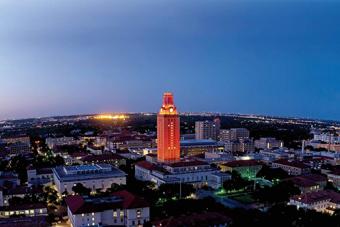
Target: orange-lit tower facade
{"type": "Point", "coordinates": [168, 131]}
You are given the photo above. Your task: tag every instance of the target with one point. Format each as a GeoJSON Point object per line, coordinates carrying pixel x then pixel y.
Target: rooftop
{"type": "Point", "coordinates": [197, 219]}
{"type": "Point", "coordinates": [313, 197]}
{"type": "Point", "coordinates": [121, 199]}
{"type": "Point", "coordinates": [198, 142]}
{"type": "Point", "coordinates": [307, 180]}
{"type": "Point", "coordinates": [296, 164]}
{"type": "Point", "coordinates": [150, 166]}
{"type": "Point", "coordinates": [21, 190]}
{"type": "Point", "coordinates": [24, 222]}
{"type": "Point", "coordinates": [83, 172]}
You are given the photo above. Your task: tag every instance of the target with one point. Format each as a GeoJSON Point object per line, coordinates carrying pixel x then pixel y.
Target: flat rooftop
{"type": "Point", "coordinates": [86, 172]}
{"type": "Point", "coordinates": [198, 142]}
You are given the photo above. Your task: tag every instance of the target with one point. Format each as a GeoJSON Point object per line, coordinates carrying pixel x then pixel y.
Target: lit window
{"type": "Point", "coordinates": [121, 213]}
{"type": "Point", "coordinates": [82, 215]}
{"type": "Point", "coordinates": [114, 213]}
{"type": "Point", "coordinates": [139, 212]}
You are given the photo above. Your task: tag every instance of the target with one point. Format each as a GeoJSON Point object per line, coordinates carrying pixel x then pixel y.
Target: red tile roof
{"type": "Point", "coordinates": [199, 219]}
{"type": "Point", "coordinates": [146, 165]}
{"type": "Point", "coordinates": [296, 164]}
{"type": "Point", "coordinates": [313, 197]}
{"type": "Point", "coordinates": [131, 201]}
{"type": "Point", "coordinates": [121, 199]}
{"type": "Point", "coordinates": [307, 180]}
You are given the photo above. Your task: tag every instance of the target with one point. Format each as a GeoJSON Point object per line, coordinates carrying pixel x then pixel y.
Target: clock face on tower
{"type": "Point", "coordinates": [171, 110]}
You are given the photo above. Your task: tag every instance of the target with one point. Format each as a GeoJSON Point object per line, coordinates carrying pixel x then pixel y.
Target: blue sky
{"type": "Point", "coordinates": [238, 56]}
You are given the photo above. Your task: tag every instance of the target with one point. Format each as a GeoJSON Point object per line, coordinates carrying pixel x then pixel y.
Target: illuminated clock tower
{"type": "Point", "coordinates": [168, 134]}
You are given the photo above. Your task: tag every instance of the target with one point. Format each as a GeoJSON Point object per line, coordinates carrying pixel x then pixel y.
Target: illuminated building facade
{"type": "Point", "coordinates": [168, 132]}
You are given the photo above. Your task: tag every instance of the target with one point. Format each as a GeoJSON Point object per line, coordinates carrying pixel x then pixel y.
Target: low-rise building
{"type": "Point", "coordinates": [321, 201]}
{"type": "Point", "coordinates": [30, 210]}
{"type": "Point", "coordinates": [19, 192]}
{"type": "Point", "coordinates": [43, 176]}
{"type": "Point", "coordinates": [136, 144]}
{"type": "Point", "coordinates": [191, 172]}
{"type": "Point", "coordinates": [268, 143]}
{"type": "Point", "coordinates": [18, 148]}
{"type": "Point", "coordinates": [218, 157]}
{"type": "Point", "coordinates": [7, 178]}
{"type": "Point", "coordinates": [96, 176]}
{"type": "Point", "coordinates": [120, 209]}
{"type": "Point", "coordinates": [195, 147]}
{"type": "Point", "coordinates": [109, 158]}
{"type": "Point", "coordinates": [334, 177]}
{"type": "Point", "coordinates": [239, 145]}
{"type": "Point", "coordinates": [216, 180]}
{"type": "Point", "coordinates": [309, 183]}
{"type": "Point", "coordinates": [273, 155]}
{"type": "Point", "coordinates": [59, 141]}
{"type": "Point", "coordinates": [292, 167]}
{"type": "Point", "coordinates": [40, 221]}
{"type": "Point", "coordinates": [246, 168]}
{"type": "Point", "coordinates": [198, 219]}
{"type": "Point", "coordinates": [18, 139]}
{"type": "Point", "coordinates": [95, 150]}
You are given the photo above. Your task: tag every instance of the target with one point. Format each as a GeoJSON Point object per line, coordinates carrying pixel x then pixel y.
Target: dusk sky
{"type": "Point", "coordinates": [236, 56]}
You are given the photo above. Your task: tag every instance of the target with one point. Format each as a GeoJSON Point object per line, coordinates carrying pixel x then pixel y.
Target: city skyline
{"type": "Point", "coordinates": [273, 58]}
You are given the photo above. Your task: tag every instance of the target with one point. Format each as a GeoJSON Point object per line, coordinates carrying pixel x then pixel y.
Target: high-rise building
{"type": "Point", "coordinates": [207, 129]}
{"type": "Point", "coordinates": [168, 131]}
{"type": "Point", "coordinates": [234, 134]}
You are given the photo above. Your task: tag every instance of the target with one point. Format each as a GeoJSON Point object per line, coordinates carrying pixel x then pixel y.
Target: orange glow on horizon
{"type": "Point", "coordinates": [110, 117]}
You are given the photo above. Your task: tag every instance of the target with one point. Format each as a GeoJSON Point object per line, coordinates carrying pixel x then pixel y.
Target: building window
{"type": "Point", "coordinates": [139, 212]}
{"type": "Point", "coordinates": [114, 213]}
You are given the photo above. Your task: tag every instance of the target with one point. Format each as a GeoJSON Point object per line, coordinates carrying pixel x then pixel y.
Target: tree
{"type": "Point", "coordinates": [81, 190]}
{"type": "Point", "coordinates": [278, 193]}
{"type": "Point", "coordinates": [236, 182]}
{"type": "Point", "coordinates": [19, 165]}
{"type": "Point", "coordinates": [272, 173]}
{"type": "Point", "coordinates": [169, 191]}
{"type": "Point", "coordinates": [330, 186]}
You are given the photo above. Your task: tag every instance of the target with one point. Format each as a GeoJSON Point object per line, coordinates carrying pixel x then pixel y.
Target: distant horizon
{"type": "Point", "coordinates": [269, 57]}
{"type": "Point", "coordinates": [180, 112]}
